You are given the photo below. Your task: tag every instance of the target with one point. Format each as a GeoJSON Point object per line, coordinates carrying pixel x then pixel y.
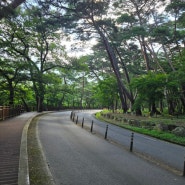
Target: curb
{"type": "Point", "coordinates": [23, 173]}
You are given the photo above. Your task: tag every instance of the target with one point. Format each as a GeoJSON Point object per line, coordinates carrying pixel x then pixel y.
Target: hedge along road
{"type": "Point", "coordinates": [77, 157]}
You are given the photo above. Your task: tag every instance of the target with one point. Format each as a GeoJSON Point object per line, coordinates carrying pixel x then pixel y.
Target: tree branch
{"type": "Point", "coordinates": [8, 10]}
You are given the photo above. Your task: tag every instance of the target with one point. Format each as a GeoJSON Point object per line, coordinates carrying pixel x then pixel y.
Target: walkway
{"type": "Point", "coordinates": [10, 142]}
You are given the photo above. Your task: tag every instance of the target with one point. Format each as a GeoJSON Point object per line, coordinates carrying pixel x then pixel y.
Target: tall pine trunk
{"type": "Point", "coordinates": [123, 92]}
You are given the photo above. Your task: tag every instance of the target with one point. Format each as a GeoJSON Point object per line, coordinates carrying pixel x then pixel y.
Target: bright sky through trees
{"type": "Point", "coordinates": [125, 36]}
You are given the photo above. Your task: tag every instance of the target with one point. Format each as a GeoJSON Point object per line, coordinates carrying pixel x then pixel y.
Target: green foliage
{"type": "Point", "coordinates": [176, 6]}
{"type": "Point", "coordinates": [106, 92]}
{"type": "Point", "coordinates": [32, 56]}
{"type": "Point", "coordinates": [150, 87]}
{"type": "Point", "coordinates": [162, 33]}
{"type": "Point", "coordinates": [125, 18]}
{"type": "Point", "coordinates": [138, 31]}
{"type": "Point", "coordinates": [167, 136]}
{"type": "Point", "coordinates": [160, 135]}
{"type": "Point", "coordinates": [182, 20]}
{"type": "Point", "coordinates": [153, 88]}
{"type": "Point", "coordinates": [80, 63]}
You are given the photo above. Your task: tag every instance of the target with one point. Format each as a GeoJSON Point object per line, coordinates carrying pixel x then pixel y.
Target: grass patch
{"type": "Point", "coordinates": [37, 168]}
{"type": "Point", "coordinates": [167, 136]}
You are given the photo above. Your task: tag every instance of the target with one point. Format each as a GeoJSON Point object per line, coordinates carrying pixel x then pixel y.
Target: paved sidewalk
{"type": "Point", "coordinates": [10, 143]}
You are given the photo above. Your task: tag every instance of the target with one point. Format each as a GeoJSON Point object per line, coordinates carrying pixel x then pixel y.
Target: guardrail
{"type": "Point", "coordinates": [8, 112]}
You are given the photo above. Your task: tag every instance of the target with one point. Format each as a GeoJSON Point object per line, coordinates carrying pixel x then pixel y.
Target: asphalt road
{"type": "Point", "coordinates": [77, 157]}
{"type": "Point", "coordinates": [166, 153]}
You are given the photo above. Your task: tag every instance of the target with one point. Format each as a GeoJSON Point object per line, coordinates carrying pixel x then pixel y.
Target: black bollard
{"type": "Point", "coordinates": [71, 115]}
{"type": "Point", "coordinates": [184, 170]}
{"type": "Point", "coordinates": [82, 122]}
{"type": "Point", "coordinates": [77, 120]}
{"type": "Point", "coordinates": [131, 142]}
{"type": "Point", "coordinates": [92, 126]}
{"type": "Point", "coordinates": [106, 132]}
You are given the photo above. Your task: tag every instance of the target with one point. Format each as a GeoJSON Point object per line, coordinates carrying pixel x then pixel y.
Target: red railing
{"type": "Point", "coordinates": [8, 112]}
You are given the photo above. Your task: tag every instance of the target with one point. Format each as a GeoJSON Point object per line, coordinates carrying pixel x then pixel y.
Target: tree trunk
{"type": "Point", "coordinates": [39, 100]}
{"type": "Point", "coordinates": [171, 108]}
{"type": "Point", "coordinates": [144, 52]}
{"type": "Point", "coordinates": [183, 103]}
{"type": "Point", "coordinates": [60, 102]}
{"type": "Point", "coordinates": [138, 112]}
{"type": "Point", "coordinates": [154, 110]}
{"type": "Point", "coordinates": [11, 94]}
{"type": "Point", "coordinates": [25, 105]}
{"type": "Point", "coordinates": [161, 106]}
{"type": "Point", "coordinates": [168, 58]}
{"type": "Point", "coordinates": [123, 92]}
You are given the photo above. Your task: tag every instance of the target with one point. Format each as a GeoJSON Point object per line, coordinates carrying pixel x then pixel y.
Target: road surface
{"type": "Point", "coordinates": [77, 157]}
{"type": "Point", "coordinates": [168, 154]}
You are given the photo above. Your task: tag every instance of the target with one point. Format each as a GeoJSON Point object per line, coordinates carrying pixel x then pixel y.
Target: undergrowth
{"type": "Point", "coordinates": [167, 136]}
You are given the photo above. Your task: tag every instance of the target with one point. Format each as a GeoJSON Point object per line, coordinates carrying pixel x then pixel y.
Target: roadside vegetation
{"type": "Point", "coordinates": [91, 54]}
{"type": "Point", "coordinates": [126, 55]}
{"type": "Point", "coordinates": [37, 166]}
{"type": "Point", "coordinates": [166, 128]}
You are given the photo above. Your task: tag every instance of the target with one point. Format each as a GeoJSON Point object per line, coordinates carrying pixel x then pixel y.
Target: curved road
{"type": "Point", "coordinates": [76, 157]}
{"type": "Point", "coordinates": [168, 154]}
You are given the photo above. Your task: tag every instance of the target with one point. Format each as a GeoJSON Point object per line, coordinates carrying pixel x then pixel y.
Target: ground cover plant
{"type": "Point", "coordinates": [166, 128]}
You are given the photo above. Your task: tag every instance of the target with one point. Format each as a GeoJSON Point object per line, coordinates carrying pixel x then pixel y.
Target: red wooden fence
{"type": "Point", "coordinates": [8, 112]}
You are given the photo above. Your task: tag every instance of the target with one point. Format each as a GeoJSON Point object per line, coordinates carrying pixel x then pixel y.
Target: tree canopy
{"type": "Point", "coordinates": [137, 54]}
{"type": "Point", "coordinates": [7, 8]}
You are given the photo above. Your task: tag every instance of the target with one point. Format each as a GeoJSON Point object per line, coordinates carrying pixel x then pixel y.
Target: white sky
{"type": "Point", "coordinates": [77, 48]}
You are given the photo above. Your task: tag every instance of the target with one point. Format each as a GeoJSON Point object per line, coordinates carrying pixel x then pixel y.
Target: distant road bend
{"type": "Point", "coordinates": [77, 157]}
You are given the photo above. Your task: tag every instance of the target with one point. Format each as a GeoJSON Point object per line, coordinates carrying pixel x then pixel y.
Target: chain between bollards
{"type": "Point", "coordinates": [82, 122]}
{"type": "Point", "coordinates": [131, 142]}
{"type": "Point", "coordinates": [106, 132]}
{"type": "Point", "coordinates": [92, 126]}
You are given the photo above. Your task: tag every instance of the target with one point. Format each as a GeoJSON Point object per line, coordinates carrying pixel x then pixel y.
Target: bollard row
{"type": "Point", "coordinates": [73, 116]}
